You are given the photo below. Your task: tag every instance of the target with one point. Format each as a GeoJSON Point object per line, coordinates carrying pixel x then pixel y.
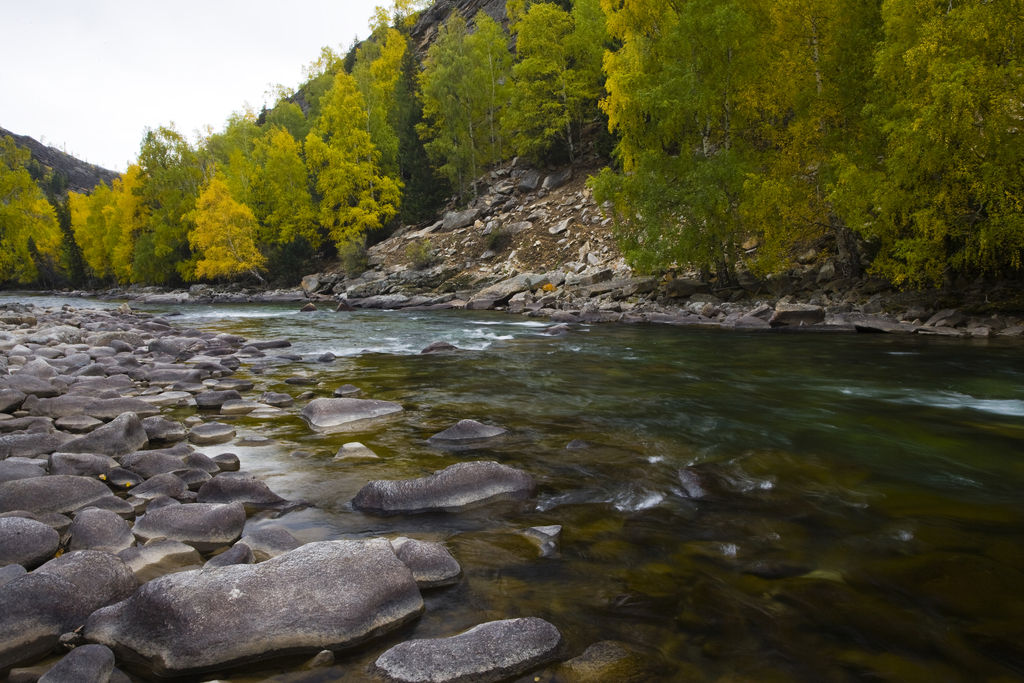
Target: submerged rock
{"type": "Point", "coordinates": [487, 653]}
{"type": "Point", "coordinates": [330, 595]}
{"type": "Point", "coordinates": [325, 413]}
{"type": "Point", "coordinates": [452, 489]}
{"type": "Point", "coordinates": [465, 433]}
{"type": "Point", "coordinates": [431, 563]}
{"type": "Point", "coordinates": [605, 661]}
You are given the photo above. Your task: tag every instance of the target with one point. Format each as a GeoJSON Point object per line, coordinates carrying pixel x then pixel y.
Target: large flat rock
{"type": "Point", "coordinates": [488, 653]}
{"type": "Point", "coordinates": [328, 413]}
{"type": "Point", "coordinates": [123, 435]}
{"type": "Point", "coordinates": [55, 493]}
{"type": "Point", "coordinates": [455, 488]}
{"type": "Point", "coordinates": [322, 596]}
{"type": "Point", "coordinates": [204, 526]}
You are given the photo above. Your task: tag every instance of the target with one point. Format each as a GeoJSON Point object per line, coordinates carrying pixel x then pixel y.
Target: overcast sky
{"type": "Point", "coordinates": [92, 74]}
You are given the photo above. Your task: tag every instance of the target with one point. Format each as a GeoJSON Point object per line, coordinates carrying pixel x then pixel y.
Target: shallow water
{"type": "Point", "coordinates": [753, 507]}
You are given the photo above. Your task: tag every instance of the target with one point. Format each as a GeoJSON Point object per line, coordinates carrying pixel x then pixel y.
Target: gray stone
{"type": "Point", "coordinates": [558, 179]}
{"type": "Point", "coordinates": [26, 542]}
{"type": "Point", "coordinates": [165, 484]}
{"type": "Point", "coordinates": [347, 391]}
{"type": "Point", "coordinates": [32, 386]}
{"type": "Point", "coordinates": [194, 478]}
{"type": "Point", "coordinates": [121, 479]}
{"type": "Point", "coordinates": [55, 599]}
{"type": "Point", "coordinates": [148, 464]}
{"type": "Point", "coordinates": [682, 288]}
{"type": "Point", "coordinates": [10, 400]}
{"type": "Point", "coordinates": [234, 384]}
{"type": "Point", "coordinates": [949, 317]}
{"type": "Point", "coordinates": [547, 537]}
{"type": "Point", "coordinates": [277, 400]}
{"type": "Point", "coordinates": [95, 529]}
{"type": "Point", "coordinates": [81, 464]}
{"type": "Point", "coordinates": [211, 433]}
{"type": "Point", "coordinates": [159, 557]}
{"type": "Point", "coordinates": [108, 409]}
{"type": "Point", "coordinates": [449, 490]}
{"type": "Point", "coordinates": [268, 542]}
{"type": "Point", "coordinates": [488, 653]}
{"type": "Point", "coordinates": [239, 553]}
{"type": "Point", "coordinates": [241, 487]}
{"type": "Point", "coordinates": [330, 595]}
{"type": "Point", "coordinates": [201, 461]}
{"type": "Point", "coordinates": [431, 563]}
{"type": "Point", "coordinates": [205, 527]}
{"type": "Point", "coordinates": [459, 219]}
{"type": "Point", "coordinates": [61, 406]}
{"type": "Point", "coordinates": [796, 315]}
{"type": "Point", "coordinates": [355, 451]}
{"type": "Point", "coordinates": [331, 413]}
{"type": "Point", "coordinates": [56, 493]}
{"type": "Point", "coordinates": [162, 429]}
{"type": "Point", "coordinates": [21, 468]}
{"type": "Point", "coordinates": [439, 347]}
{"type": "Point", "coordinates": [215, 399]}
{"type": "Point", "coordinates": [119, 506]}
{"type": "Point", "coordinates": [11, 572]}
{"type": "Point", "coordinates": [85, 664]}
{"type": "Point", "coordinates": [227, 462]}
{"type": "Point", "coordinates": [465, 433]}
{"type": "Point", "coordinates": [123, 435]}
{"type": "Point", "coordinates": [530, 181]}
{"type": "Point", "coordinates": [32, 445]}
{"type": "Point", "coordinates": [77, 424]}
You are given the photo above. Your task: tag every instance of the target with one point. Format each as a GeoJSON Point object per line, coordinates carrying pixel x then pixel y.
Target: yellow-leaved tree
{"type": "Point", "coordinates": [225, 234]}
{"type": "Point", "coordinates": [356, 197]}
{"type": "Point", "coordinates": [28, 225]}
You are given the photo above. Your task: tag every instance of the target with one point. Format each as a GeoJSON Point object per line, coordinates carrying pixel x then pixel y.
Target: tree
{"type": "Point", "coordinates": [290, 213]}
{"type": "Point", "coordinates": [558, 76]}
{"type": "Point", "coordinates": [462, 90]}
{"type": "Point", "coordinates": [26, 218]}
{"type": "Point", "coordinates": [947, 193]}
{"type": "Point", "coordinates": [172, 176]}
{"type": "Point", "coordinates": [356, 197]}
{"type": "Point", "coordinates": [225, 234]}
{"type": "Point", "coordinates": [377, 71]}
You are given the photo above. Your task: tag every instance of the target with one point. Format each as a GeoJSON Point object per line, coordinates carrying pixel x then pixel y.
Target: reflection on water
{"type": "Point", "coordinates": [747, 507]}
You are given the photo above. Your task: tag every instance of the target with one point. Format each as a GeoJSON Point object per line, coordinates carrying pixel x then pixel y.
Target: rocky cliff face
{"type": "Point", "coordinates": [426, 27]}
{"type": "Point", "coordinates": [82, 176]}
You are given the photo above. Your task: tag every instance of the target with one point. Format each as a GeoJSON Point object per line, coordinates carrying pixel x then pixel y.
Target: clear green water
{"type": "Point", "coordinates": [862, 509]}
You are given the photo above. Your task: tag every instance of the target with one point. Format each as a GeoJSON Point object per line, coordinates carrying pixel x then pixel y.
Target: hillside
{"type": "Point", "coordinates": [82, 177]}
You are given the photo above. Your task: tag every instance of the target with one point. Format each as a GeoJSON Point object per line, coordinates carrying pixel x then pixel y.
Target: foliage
{"type": "Point", "coordinates": [353, 256]}
{"type": "Point", "coordinates": [29, 233]}
{"type": "Point", "coordinates": [558, 78]}
{"type": "Point", "coordinates": [355, 196]}
{"type": "Point", "coordinates": [225, 234]}
{"type": "Point", "coordinates": [497, 239]}
{"type": "Point", "coordinates": [421, 254]}
{"type": "Point", "coordinates": [462, 90]}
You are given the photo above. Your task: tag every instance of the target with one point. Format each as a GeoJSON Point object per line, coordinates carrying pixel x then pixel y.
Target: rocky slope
{"type": "Point", "coordinates": [82, 177]}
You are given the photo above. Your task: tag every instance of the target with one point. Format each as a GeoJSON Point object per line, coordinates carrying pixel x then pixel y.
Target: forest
{"type": "Point", "coordinates": [735, 133]}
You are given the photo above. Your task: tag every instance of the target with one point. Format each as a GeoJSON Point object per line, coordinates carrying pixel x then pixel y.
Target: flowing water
{"type": "Point", "coordinates": [750, 507]}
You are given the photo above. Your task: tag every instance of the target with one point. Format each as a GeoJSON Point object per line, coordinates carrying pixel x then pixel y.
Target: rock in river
{"type": "Point", "coordinates": [203, 526]}
{"type": "Point", "coordinates": [211, 433]}
{"type": "Point", "coordinates": [55, 599]}
{"type": "Point", "coordinates": [122, 436]}
{"type": "Point", "coordinates": [487, 653]}
{"type": "Point", "coordinates": [26, 542]}
{"type": "Point", "coordinates": [431, 563]}
{"type": "Point", "coordinates": [325, 413]}
{"type": "Point", "coordinates": [61, 494]}
{"type": "Point", "coordinates": [95, 529]}
{"type": "Point", "coordinates": [86, 664]}
{"type": "Point", "coordinates": [243, 488]}
{"type": "Point", "coordinates": [452, 489]}
{"type": "Point", "coordinates": [330, 595]}
{"type": "Point", "coordinates": [465, 433]}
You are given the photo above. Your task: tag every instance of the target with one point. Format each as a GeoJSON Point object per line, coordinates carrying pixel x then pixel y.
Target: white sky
{"type": "Point", "coordinates": [92, 74]}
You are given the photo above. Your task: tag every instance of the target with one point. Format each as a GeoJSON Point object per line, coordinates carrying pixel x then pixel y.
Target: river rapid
{"type": "Point", "coordinates": [746, 507]}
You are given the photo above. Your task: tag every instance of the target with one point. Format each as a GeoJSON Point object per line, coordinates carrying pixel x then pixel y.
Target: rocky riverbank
{"type": "Point", "coordinates": [124, 548]}
{"type": "Point", "coordinates": [535, 243]}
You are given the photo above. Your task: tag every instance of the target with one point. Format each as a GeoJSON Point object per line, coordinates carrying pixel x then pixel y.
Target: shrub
{"type": "Point", "coordinates": [421, 254]}
{"type": "Point", "coordinates": [353, 257]}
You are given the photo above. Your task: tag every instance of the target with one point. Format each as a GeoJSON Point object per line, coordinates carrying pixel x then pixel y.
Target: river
{"type": "Point", "coordinates": [749, 507]}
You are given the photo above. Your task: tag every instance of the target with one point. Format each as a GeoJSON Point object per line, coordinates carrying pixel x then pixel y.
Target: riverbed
{"type": "Point", "coordinates": [734, 506]}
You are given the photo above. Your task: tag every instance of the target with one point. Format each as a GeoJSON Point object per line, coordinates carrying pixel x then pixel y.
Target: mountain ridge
{"type": "Point", "coordinates": [82, 176]}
